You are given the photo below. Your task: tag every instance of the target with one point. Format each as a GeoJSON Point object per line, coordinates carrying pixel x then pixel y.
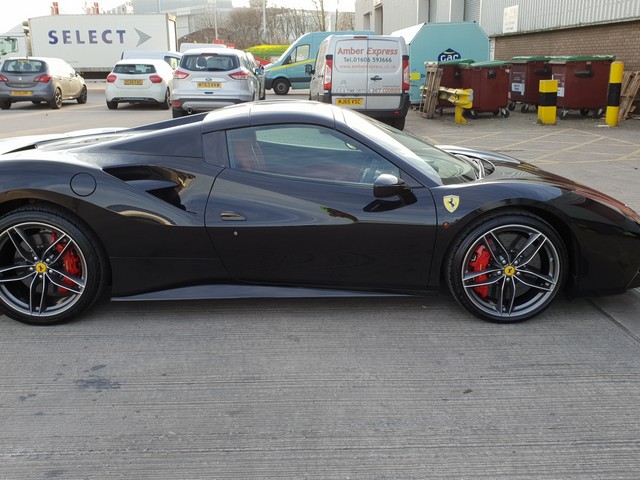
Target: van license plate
{"type": "Point", "coordinates": [349, 101]}
{"type": "Point", "coordinates": [209, 85]}
{"type": "Point", "coordinates": [22, 93]}
{"type": "Point", "coordinates": [133, 82]}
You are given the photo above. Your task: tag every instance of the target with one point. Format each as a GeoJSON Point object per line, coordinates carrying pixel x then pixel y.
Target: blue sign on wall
{"type": "Point", "coordinates": [449, 54]}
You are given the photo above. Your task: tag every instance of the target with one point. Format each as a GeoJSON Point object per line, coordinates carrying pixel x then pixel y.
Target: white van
{"type": "Point", "coordinates": [368, 73]}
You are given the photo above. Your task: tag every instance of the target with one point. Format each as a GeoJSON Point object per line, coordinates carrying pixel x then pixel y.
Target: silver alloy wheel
{"type": "Point", "coordinates": [520, 272]}
{"type": "Point", "coordinates": [43, 272]}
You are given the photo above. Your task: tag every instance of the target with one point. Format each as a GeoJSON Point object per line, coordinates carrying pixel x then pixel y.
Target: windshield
{"type": "Point", "coordinates": [8, 45]}
{"type": "Point", "coordinates": [442, 167]}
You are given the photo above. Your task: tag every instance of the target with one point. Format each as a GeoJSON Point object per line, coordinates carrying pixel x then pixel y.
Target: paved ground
{"type": "Point", "coordinates": [380, 389]}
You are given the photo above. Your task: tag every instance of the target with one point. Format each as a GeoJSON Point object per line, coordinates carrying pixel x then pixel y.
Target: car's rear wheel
{"type": "Point", "coordinates": [83, 95]}
{"type": "Point", "coordinates": [50, 269]}
{"type": "Point", "coordinates": [5, 105]}
{"type": "Point", "coordinates": [56, 101]}
{"type": "Point", "coordinates": [507, 268]}
{"type": "Point", "coordinates": [112, 105]}
{"type": "Point", "coordinates": [281, 86]}
{"type": "Point", "coordinates": [166, 105]}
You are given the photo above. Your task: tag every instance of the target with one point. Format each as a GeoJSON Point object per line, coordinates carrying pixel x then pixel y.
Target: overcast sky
{"type": "Point", "coordinates": [14, 13]}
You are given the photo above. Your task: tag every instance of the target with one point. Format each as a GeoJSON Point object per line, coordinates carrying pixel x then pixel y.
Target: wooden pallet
{"type": "Point", "coordinates": [630, 89]}
{"type": "Point", "coordinates": [430, 89]}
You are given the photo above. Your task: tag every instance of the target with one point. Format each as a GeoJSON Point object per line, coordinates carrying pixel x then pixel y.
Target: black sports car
{"type": "Point", "coordinates": [296, 199]}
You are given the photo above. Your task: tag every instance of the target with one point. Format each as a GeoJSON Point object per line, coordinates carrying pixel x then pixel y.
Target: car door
{"type": "Point", "coordinates": [296, 206]}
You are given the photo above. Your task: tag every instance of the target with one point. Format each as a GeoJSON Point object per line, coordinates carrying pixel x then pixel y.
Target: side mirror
{"type": "Point", "coordinates": [387, 185]}
{"type": "Point", "coordinates": [308, 69]}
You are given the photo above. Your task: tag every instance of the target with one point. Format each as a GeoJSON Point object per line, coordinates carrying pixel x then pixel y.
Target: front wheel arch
{"type": "Point", "coordinates": [509, 292]}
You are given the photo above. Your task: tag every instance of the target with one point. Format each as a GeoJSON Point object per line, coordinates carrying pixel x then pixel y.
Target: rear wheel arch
{"type": "Point", "coordinates": [55, 265]}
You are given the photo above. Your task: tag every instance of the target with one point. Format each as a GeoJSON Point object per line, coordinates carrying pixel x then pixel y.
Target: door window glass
{"type": "Point", "coordinates": [305, 152]}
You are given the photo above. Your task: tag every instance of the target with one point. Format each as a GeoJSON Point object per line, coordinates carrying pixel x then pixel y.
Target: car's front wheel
{"type": "Point", "coordinates": [507, 268]}
{"type": "Point", "coordinates": [281, 86]}
{"type": "Point", "coordinates": [51, 269]}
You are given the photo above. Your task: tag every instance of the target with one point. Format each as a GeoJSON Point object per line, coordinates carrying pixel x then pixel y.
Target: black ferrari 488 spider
{"type": "Point", "coordinates": [295, 199]}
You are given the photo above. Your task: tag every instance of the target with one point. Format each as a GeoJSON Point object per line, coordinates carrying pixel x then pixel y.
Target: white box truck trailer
{"type": "Point", "coordinates": [94, 43]}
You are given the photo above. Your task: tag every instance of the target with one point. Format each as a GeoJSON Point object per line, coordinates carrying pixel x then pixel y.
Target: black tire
{"type": "Point", "coordinates": [82, 99]}
{"type": "Point", "coordinates": [584, 112]}
{"type": "Point", "coordinates": [6, 105]}
{"type": "Point", "coordinates": [56, 101]}
{"type": "Point", "coordinates": [53, 269]}
{"type": "Point", "coordinates": [112, 105]}
{"type": "Point", "coordinates": [507, 267]}
{"type": "Point", "coordinates": [166, 105]}
{"type": "Point", "coordinates": [524, 108]}
{"type": "Point", "coordinates": [511, 106]}
{"type": "Point", "coordinates": [281, 86]}
{"type": "Point", "coordinates": [504, 113]}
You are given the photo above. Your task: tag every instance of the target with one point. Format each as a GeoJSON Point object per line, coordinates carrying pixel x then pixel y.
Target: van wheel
{"type": "Point", "coordinates": [281, 86]}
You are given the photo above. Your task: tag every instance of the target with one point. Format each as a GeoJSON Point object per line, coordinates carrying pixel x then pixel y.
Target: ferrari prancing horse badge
{"type": "Point", "coordinates": [451, 202]}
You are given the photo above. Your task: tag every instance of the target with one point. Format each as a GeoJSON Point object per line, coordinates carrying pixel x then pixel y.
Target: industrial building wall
{"type": "Point", "coordinates": [386, 16]}
{"type": "Point", "coordinates": [619, 39]}
{"type": "Point", "coordinates": [536, 15]}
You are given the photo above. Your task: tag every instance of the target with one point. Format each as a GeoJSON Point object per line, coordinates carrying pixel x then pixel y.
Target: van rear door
{"type": "Point", "coordinates": [367, 73]}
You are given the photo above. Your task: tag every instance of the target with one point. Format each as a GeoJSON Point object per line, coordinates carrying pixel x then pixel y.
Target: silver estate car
{"type": "Point", "coordinates": [39, 79]}
{"type": "Point", "coordinates": [210, 78]}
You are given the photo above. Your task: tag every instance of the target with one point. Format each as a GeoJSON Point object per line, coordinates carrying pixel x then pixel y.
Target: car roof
{"type": "Point", "coordinates": [154, 61]}
{"type": "Point", "coordinates": [216, 51]}
{"type": "Point", "coordinates": [272, 111]}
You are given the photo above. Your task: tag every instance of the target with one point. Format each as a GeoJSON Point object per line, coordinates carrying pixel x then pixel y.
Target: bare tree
{"type": "Point", "coordinates": [244, 25]}
{"type": "Point", "coordinates": [321, 17]}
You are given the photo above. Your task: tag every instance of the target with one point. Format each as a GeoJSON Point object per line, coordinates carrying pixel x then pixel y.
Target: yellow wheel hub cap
{"type": "Point", "coordinates": [510, 271]}
{"type": "Point", "coordinates": [41, 267]}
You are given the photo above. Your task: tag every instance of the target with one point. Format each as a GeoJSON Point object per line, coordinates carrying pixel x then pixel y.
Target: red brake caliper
{"type": "Point", "coordinates": [71, 264]}
{"type": "Point", "coordinates": [480, 261]}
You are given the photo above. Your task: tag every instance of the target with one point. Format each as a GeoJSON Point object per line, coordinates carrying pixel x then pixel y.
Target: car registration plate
{"type": "Point", "coordinates": [22, 93]}
{"type": "Point", "coordinates": [209, 85]}
{"type": "Point", "coordinates": [350, 101]}
{"type": "Point", "coordinates": [133, 82]}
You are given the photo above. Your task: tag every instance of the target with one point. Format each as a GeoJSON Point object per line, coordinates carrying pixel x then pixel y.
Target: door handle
{"type": "Point", "coordinates": [232, 217]}
{"type": "Point", "coordinates": [377, 77]}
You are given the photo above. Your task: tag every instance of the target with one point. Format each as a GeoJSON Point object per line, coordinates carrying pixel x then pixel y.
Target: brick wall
{"type": "Point", "coordinates": [619, 39]}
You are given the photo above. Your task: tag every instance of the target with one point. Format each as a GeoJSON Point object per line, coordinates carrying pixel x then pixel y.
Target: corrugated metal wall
{"type": "Point", "coordinates": [472, 10]}
{"type": "Point", "coordinates": [546, 14]}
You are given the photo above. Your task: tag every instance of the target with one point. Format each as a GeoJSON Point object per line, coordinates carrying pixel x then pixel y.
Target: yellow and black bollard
{"type": "Point", "coordinates": [547, 102]}
{"type": "Point", "coordinates": [613, 97]}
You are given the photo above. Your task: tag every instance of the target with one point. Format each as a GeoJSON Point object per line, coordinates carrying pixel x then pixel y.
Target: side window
{"type": "Point", "coordinates": [305, 152]}
{"type": "Point", "coordinates": [172, 61]}
{"type": "Point", "coordinates": [322, 51]}
{"type": "Point", "coordinates": [301, 53]}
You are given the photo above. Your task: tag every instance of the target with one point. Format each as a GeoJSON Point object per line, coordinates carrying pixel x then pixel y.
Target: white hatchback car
{"type": "Point", "coordinates": [210, 78]}
{"type": "Point", "coordinates": [139, 80]}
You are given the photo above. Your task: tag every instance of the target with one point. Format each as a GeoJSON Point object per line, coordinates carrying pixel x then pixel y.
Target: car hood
{"type": "Point", "coordinates": [503, 168]}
